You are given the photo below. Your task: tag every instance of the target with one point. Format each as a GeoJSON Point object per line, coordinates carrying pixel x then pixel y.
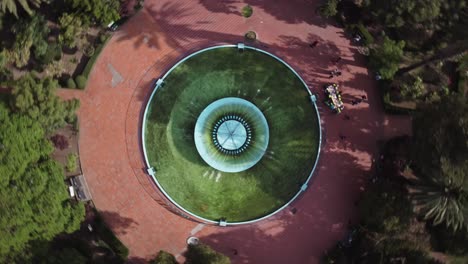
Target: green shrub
{"type": "Point", "coordinates": [203, 254]}
{"type": "Point", "coordinates": [72, 162]}
{"type": "Point", "coordinates": [108, 236]}
{"type": "Point", "coordinates": [329, 9]}
{"type": "Point", "coordinates": [89, 50]}
{"type": "Point", "coordinates": [5, 76]}
{"type": "Point", "coordinates": [247, 11]}
{"type": "Point", "coordinates": [53, 52]}
{"type": "Point", "coordinates": [3, 58]}
{"type": "Point", "coordinates": [164, 257]}
{"type": "Point", "coordinates": [71, 83]}
{"type": "Point", "coordinates": [92, 60]}
{"type": "Point", "coordinates": [80, 81]}
{"type": "Point", "coordinates": [103, 38]}
{"type": "Point", "coordinates": [251, 35]}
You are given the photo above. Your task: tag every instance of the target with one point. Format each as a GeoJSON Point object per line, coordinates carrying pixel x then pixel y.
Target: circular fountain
{"type": "Point", "coordinates": [231, 134]}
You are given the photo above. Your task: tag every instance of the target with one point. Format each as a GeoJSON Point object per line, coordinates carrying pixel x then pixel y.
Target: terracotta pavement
{"type": "Point", "coordinates": [165, 31]}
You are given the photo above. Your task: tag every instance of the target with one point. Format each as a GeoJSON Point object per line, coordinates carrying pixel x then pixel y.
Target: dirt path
{"type": "Point", "coordinates": [165, 30]}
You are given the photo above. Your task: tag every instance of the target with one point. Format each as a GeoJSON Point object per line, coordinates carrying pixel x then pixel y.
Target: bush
{"type": "Point", "coordinates": [89, 50]}
{"type": "Point", "coordinates": [103, 38]}
{"type": "Point", "coordinates": [71, 83]}
{"type": "Point", "coordinates": [329, 9]}
{"type": "Point", "coordinates": [80, 81]}
{"type": "Point", "coordinates": [72, 162]}
{"type": "Point", "coordinates": [203, 254]}
{"type": "Point", "coordinates": [164, 257]}
{"type": "Point", "coordinates": [247, 11]}
{"type": "Point", "coordinates": [250, 35]}
{"type": "Point", "coordinates": [108, 236]}
{"type": "Point", "coordinates": [53, 52]}
{"type": "Point", "coordinates": [5, 76]}
{"type": "Point", "coordinates": [92, 60]}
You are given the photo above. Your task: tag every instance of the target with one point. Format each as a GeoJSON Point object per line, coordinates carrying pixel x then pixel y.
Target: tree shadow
{"type": "Point", "coordinates": [289, 11]}
{"type": "Point", "coordinates": [119, 224]}
{"type": "Point", "coordinates": [225, 6]}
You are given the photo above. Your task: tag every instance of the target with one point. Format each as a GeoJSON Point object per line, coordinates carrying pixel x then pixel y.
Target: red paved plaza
{"type": "Point", "coordinates": [153, 40]}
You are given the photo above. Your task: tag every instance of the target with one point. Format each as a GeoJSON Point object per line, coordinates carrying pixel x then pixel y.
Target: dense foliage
{"type": "Point", "coordinates": [34, 198]}
{"type": "Point", "coordinates": [204, 254]}
{"type": "Point", "coordinates": [440, 155]}
{"type": "Point", "coordinates": [72, 30]}
{"type": "Point", "coordinates": [101, 11]}
{"type": "Point", "coordinates": [164, 257]}
{"type": "Point", "coordinates": [29, 33]}
{"type": "Point", "coordinates": [36, 99]}
{"type": "Point", "coordinates": [385, 59]}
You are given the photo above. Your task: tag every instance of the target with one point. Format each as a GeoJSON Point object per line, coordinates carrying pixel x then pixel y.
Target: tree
{"type": "Point", "coordinates": [386, 58]}
{"type": "Point", "coordinates": [164, 257]}
{"type": "Point", "coordinates": [204, 254]}
{"type": "Point", "coordinates": [385, 207]}
{"type": "Point", "coordinates": [72, 30]}
{"type": "Point", "coordinates": [33, 197]}
{"type": "Point", "coordinates": [440, 155]}
{"type": "Point", "coordinates": [329, 8]}
{"type": "Point", "coordinates": [36, 99]}
{"type": "Point", "coordinates": [31, 33]}
{"type": "Point", "coordinates": [55, 69]}
{"type": "Point", "coordinates": [10, 6]}
{"type": "Point", "coordinates": [66, 255]}
{"type": "Point", "coordinates": [395, 13]}
{"type": "Point", "coordinates": [444, 200]}
{"type": "Point", "coordinates": [102, 11]}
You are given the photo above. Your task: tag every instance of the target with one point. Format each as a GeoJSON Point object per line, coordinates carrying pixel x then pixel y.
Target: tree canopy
{"type": "Point", "coordinates": [386, 58]}
{"type": "Point", "coordinates": [72, 30]}
{"type": "Point", "coordinates": [101, 11]}
{"type": "Point", "coordinates": [29, 33]}
{"type": "Point", "coordinates": [33, 196]}
{"type": "Point", "coordinates": [204, 254]}
{"type": "Point", "coordinates": [36, 99]}
{"type": "Point", "coordinates": [440, 154]}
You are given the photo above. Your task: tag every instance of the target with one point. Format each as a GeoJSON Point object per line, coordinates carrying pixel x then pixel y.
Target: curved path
{"type": "Point", "coordinates": [146, 46]}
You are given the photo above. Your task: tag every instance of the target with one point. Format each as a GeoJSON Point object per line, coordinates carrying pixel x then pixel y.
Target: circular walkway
{"type": "Point", "coordinates": [146, 46]}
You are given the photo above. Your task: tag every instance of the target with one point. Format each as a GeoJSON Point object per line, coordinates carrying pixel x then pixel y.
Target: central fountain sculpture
{"type": "Point", "coordinates": [231, 134]}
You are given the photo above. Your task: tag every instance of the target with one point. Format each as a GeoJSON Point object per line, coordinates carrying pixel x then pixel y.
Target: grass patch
{"type": "Point", "coordinates": [292, 148]}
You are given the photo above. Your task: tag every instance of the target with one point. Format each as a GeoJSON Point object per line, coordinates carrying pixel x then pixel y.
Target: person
{"type": "Point", "coordinates": [364, 97]}
{"type": "Point", "coordinates": [357, 37]}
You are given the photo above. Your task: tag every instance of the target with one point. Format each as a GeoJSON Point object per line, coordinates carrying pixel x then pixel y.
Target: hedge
{"type": "Point", "coordinates": [109, 237]}
{"type": "Point", "coordinates": [93, 58]}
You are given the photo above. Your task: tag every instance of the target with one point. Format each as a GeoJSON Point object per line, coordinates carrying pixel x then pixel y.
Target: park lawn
{"type": "Point", "coordinates": [275, 90]}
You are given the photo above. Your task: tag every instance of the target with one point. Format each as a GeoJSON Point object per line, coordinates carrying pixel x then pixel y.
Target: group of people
{"type": "Point", "coordinates": [334, 98]}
